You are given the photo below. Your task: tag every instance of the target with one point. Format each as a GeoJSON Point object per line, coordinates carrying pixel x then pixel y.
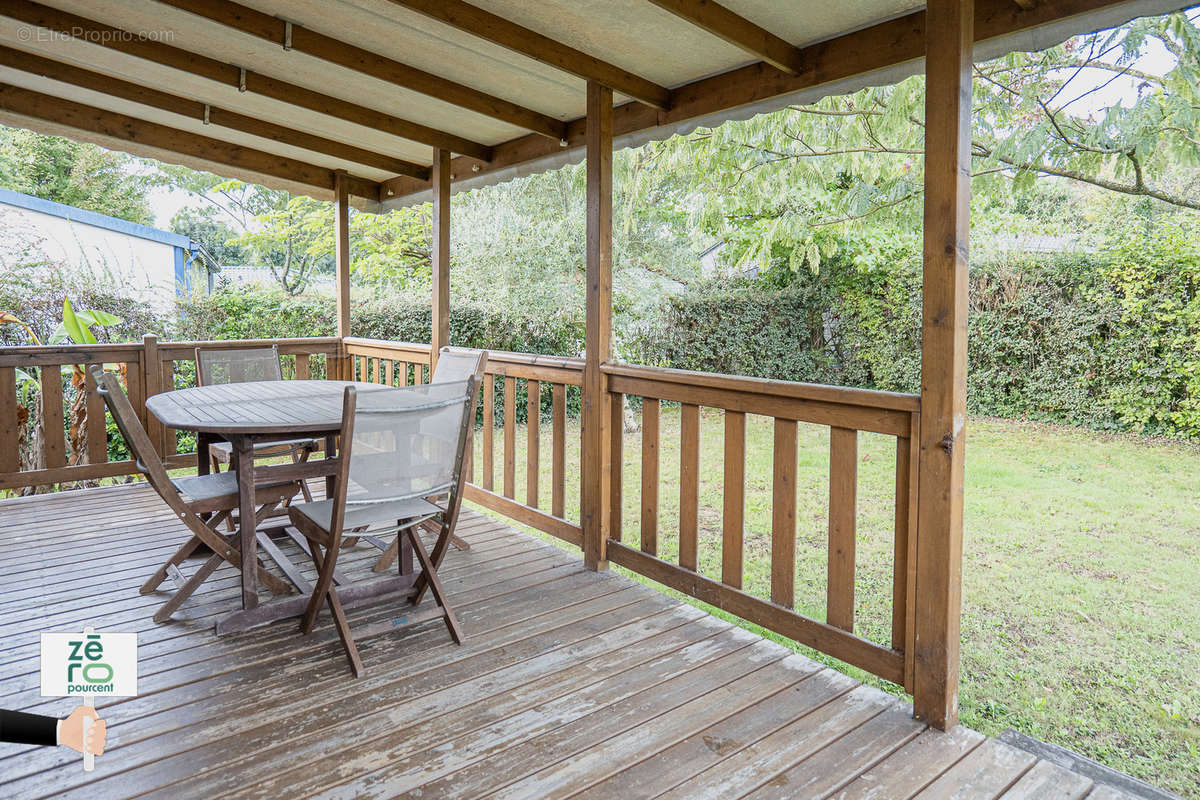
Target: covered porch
{"type": "Point", "coordinates": [574, 683]}
{"type": "Point", "coordinates": [579, 680]}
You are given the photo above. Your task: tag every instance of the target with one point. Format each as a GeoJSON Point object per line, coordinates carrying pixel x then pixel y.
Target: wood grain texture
{"type": "Point", "coordinates": [650, 476]}
{"type": "Point", "coordinates": [510, 438]}
{"type": "Point", "coordinates": [843, 512]}
{"type": "Point", "coordinates": [783, 515]}
{"type": "Point", "coordinates": [52, 417]}
{"type": "Point", "coordinates": [596, 446]}
{"type": "Point", "coordinates": [558, 450]}
{"type": "Point", "coordinates": [949, 36]}
{"type": "Point", "coordinates": [440, 268]}
{"type": "Point", "coordinates": [689, 486]}
{"type": "Point", "coordinates": [10, 451]}
{"type": "Point", "coordinates": [733, 499]}
{"type": "Point", "coordinates": [533, 416]}
{"type": "Point", "coordinates": [489, 433]}
{"type": "Point", "coordinates": [569, 682]}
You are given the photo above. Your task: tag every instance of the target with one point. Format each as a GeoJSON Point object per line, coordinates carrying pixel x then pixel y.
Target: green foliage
{"type": "Point", "coordinates": [80, 175]}
{"type": "Point", "coordinates": [216, 235]}
{"type": "Point", "coordinates": [1109, 342]}
{"type": "Point", "coordinates": [294, 239]}
{"type": "Point", "coordinates": [1156, 281]}
{"type": "Point", "coordinates": [262, 313]}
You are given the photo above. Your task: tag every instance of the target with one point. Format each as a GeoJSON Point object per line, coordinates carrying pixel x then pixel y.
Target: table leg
{"type": "Point", "coordinates": [243, 455]}
{"type": "Point", "coordinates": [203, 458]}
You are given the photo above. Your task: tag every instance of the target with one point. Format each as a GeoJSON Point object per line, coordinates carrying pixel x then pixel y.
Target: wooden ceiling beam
{"type": "Point", "coordinates": [888, 44]}
{"type": "Point", "coordinates": [497, 30]}
{"type": "Point", "coordinates": [26, 103]}
{"type": "Point", "coordinates": [209, 114]}
{"type": "Point", "coordinates": [335, 51]}
{"type": "Point", "coordinates": [738, 31]}
{"type": "Point", "coordinates": [129, 43]}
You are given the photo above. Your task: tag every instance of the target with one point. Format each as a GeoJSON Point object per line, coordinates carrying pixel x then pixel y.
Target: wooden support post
{"type": "Point", "coordinates": [948, 41]}
{"type": "Point", "coordinates": [441, 253]}
{"type": "Point", "coordinates": [596, 447]}
{"type": "Point", "coordinates": [151, 367]}
{"type": "Point", "coordinates": [341, 235]}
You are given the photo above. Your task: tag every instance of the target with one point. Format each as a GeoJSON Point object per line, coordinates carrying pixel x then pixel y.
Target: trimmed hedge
{"type": "Point", "coordinates": [1080, 340]}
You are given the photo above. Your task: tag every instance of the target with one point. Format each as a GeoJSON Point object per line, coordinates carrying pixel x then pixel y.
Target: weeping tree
{"type": "Point", "coordinates": [795, 186]}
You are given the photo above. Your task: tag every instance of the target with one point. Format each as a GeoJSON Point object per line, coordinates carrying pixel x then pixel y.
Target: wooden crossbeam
{"type": "Point", "coordinates": [220, 117]}
{"type": "Point", "coordinates": [738, 31]}
{"type": "Point", "coordinates": [486, 25]}
{"type": "Point", "coordinates": [33, 105]}
{"type": "Point", "coordinates": [130, 43]}
{"type": "Point", "coordinates": [344, 54]}
{"type": "Point", "coordinates": [897, 41]}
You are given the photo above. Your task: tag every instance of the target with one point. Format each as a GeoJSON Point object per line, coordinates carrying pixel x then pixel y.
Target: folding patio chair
{"type": "Point", "coordinates": [454, 364]}
{"type": "Point", "coordinates": [189, 497]}
{"type": "Point", "coordinates": [241, 366]}
{"type": "Point", "coordinates": [399, 448]}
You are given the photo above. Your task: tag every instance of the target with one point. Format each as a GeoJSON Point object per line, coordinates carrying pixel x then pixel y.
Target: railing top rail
{"type": "Point", "coordinates": [842, 395]}
{"type": "Point", "coordinates": [535, 360]}
{"type": "Point", "coordinates": [50, 355]}
{"type": "Point", "coordinates": [365, 342]}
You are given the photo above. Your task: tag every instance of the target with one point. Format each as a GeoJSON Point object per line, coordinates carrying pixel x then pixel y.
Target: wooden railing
{"type": "Point", "coordinates": [148, 368]}
{"type": "Point", "coordinates": [510, 376]}
{"type": "Point", "coordinates": [845, 412]}
{"type": "Point", "coordinates": [545, 386]}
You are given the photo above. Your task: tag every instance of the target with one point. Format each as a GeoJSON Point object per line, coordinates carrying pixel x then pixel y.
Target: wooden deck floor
{"type": "Point", "coordinates": [571, 684]}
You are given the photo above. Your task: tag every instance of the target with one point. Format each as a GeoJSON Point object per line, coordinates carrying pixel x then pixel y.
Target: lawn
{"type": "Point", "coordinates": [1080, 576]}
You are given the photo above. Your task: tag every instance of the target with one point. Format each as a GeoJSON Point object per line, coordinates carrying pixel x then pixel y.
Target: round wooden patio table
{"type": "Point", "coordinates": [246, 414]}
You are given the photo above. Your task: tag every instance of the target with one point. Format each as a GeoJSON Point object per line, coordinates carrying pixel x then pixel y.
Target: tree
{"type": "Point", "coordinates": [293, 241]}
{"type": "Point", "coordinates": [76, 174]}
{"type": "Point", "coordinates": [795, 185]}
{"type": "Point", "coordinates": [215, 235]}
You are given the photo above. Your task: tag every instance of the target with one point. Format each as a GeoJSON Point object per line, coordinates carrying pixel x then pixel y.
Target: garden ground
{"type": "Point", "coordinates": [1080, 574]}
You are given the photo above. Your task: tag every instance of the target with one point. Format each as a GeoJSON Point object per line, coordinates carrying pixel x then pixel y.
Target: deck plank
{"type": "Point", "coordinates": [570, 683]}
{"type": "Point", "coordinates": [984, 774]}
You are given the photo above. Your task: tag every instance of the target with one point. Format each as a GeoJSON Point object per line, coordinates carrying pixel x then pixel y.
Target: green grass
{"type": "Point", "coordinates": [1081, 572]}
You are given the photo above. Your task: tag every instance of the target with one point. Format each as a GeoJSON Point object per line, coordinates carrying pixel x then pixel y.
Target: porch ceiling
{"type": "Point", "coordinates": [371, 86]}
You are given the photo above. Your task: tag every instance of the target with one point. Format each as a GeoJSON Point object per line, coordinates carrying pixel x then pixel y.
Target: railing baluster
{"type": "Point", "coordinates": [376, 374]}
{"type": "Point", "coordinates": [510, 443]}
{"type": "Point", "coordinates": [170, 437]}
{"type": "Point", "coordinates": [10, 454]}
{"type": "Point", "coordinates": [783, 515]}
{"type": "Point", "coordinates": [558, 459]}
{"type": "Point", "coordinates": [689, 485]}
{"type": "Point", "coordinates": [843, 491]}
{"type": "Point", "coordinates": [303, 370]}
{"type": "Point", "coordinates": [52, 414]}
{"type": "Point", "coordinates": [533, 413]}
{"type": "Point", "coordinates": [734, 494]}
{"type": "Point", "coordinates": [489, 432]}
{"type": "Point", "coordinates": [904, 600]}
{"type": "Point", "coordinates": [616, 429]}
{"type": "Point", "coordinates": [391, 372]}
{"type": "Point", "coordinates": [650, 477]}
{"type": "Point", "coordinates": [97, 425]}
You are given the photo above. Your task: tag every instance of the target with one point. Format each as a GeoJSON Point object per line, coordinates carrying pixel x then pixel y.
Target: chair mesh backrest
{"type": "Point", "coordinates": [238, 366]}
{"type": "Point", "coordinates": [455, 365]}
{"type": "Point", "coordinates": [408, 442]}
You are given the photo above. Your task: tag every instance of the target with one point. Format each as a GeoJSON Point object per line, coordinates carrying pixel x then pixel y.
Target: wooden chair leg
{"type": "Point", "coordinates": [435, 585]}
{"type": "Point", "coordinates": [168, 608]}
{"type": "Point", "coordinates": [389, 555]}
{"type": "Point", "coordinates": [155, 580]}
{"type": "Point", "coordinates": [342, 626]}
{"type": "Point", "coordinates": [439, 553]}
{"type": "Point", "coordinates": [324, 567]}
{"type": "Point", "coordinates": [406, 555]}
